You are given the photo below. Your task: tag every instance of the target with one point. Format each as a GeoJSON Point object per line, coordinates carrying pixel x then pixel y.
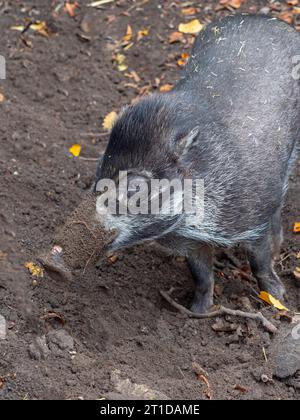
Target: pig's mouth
{"type": "Point", "coordinates": [139, 231]}
{"type": "Point", "coordinates": [54, 264]}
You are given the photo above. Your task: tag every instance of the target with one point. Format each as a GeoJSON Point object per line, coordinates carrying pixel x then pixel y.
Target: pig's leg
{"type": "Point", "coordinates": [277, 233]}
{"type": "Point", "coordinates": [201, 266]}
{"type": "Point", "coordinates": [260, 254]}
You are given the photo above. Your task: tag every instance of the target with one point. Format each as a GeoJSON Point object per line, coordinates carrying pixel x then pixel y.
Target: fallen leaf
{"type": "Point", "coordinates": [241, 389]}
{"type": "Point", "coordinates": [297, 227]}
{"type": "Point", "coordinates": [292, 2]}
{"type": "Point", "coordinates": [183, 60]}
{"type": "Point", "coordinates": [75, 150]}
{"type": "Point", "coordinates": [298, 256]}
{"type": "Point", "coordinates": [133, 75]}
{"type": "Point", "coordinates": [187, 11]}
{"type": "Point", "coordinates": [120, 59]}
{"type": "Point", "coordinates": [286, 17]}
{"type": "Point", "coordinates": [207, 392]}
{"type": "Point", "coordinates": [71, 8]}
{"type": "Point", "coordinates": [192, 27]}
{"type": "Point", "coordinates": [129, 33]}
{"type": "Point", "coordinates": [34, 269]}
{"type": "Point", "coordinates": [266, 297]}
{"type": "Point", "coordinates": [296, 10]}
{"type": "Point", "coordinates": [297, 273]}
{"type": "Point", "coordinates": [236, 4]}
{"type": "Point", "coordinates": [176, 37]}
{"type": "Point", "coordinates": [112, 259]}
{"type": "Point", "coordinates": [109, 120]}
{"type": "Point", "coordinates": [2, 97]}
{"type": "Point", "coordinates": [38, 26]}
{"type": "Point", "coordinates": [142, 33]}
{"type": "Point", "coordinates": [166, 88]}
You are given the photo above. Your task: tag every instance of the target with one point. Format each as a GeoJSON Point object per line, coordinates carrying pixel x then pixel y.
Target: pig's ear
{"type": "Point", "coordinates": [185, 142]}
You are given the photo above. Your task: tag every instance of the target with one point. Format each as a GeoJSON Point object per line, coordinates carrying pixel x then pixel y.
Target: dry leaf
{"type": "Point", "coordinates": [142, 33]}
{"type": "Point", "coordinates": [2, 97]}
{"type": "Point", "coordinates": [75, 150]}
{"type": "Point", "coordinates": [286, 17]}
{"type": "Point", "coordinates": [109, 120]}
{"type": "Point", "coordinates": [187, 11]}
{"type": "Point", "coordinates": [120, 59]}
{"type": "Point", "coordinates": [71, 8]}
{"type": "Point", "coordinates": [266, 297]}
{"type": "Point", "coordinates": [128, 36]}
{"type": "Point", "coordinates": [176, 37]}
{"type": "Point", "coordinates": [38, 26]}
{"type": "Point", "coordinates": [297, 227]}
{"type": "Point", "coordinates": [236, 4]}
{"type": "Point", "coordinates": [183, 60]}
{"type": "Point", "coordinates": [192, 27]}
{"type": "Point", "coordinates": [166, 88]}
{"type": "Point", "coordinates": [297, 273]}
{"type": "Point", "coordinates": [34, 269]}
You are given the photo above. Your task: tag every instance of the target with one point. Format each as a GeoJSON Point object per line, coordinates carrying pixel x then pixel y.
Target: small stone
{"type": "Point", "coordinates": [38, 350]}
{"type": "Point", "coordinates": [3, 328]}
{"type": "Point", "coordinates": [61, 339]}
{"type": "Point", "coordinates": [71, 382]}
{"type": "Point", "coordinates": [285, 355]}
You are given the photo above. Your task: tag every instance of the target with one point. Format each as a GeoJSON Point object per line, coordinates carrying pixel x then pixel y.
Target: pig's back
{"type": "Point", "coordinates": [241, 76]}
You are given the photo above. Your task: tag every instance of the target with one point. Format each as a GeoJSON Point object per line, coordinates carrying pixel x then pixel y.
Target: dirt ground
{"type": "Point", "coordinates": [110, 324]}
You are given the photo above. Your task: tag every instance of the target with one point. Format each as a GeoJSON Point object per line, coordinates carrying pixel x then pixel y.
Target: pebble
{"type": "Point", "coordinates": [62, 339]}
{"type": "Point", "coordinates": [38, 350]}
{"type": "Point", "coordinates": [285, 355]}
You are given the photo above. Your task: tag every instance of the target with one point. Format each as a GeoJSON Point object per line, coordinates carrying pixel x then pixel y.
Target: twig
{"type": "Point", "coordinates": [88, 262]}
{"type": "Point", "coordinates": [221, 312]}
{"type": "Point", "coordinates": [89, 159]}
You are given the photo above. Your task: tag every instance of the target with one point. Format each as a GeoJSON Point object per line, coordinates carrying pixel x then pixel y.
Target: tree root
{"type": "Point", "coordinates": [222, 311]}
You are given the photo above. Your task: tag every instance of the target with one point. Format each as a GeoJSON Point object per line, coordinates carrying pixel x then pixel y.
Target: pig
{"type": "Point", "coordinates": [233, 121]}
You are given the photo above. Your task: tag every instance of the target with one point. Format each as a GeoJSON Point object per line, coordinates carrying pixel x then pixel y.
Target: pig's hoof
{"type": "Point", "coordinates": [201, 307]}
{"type": "Point", "coordinates": [54, 265]}
{"type": "Point", "coordinates": [277, 290]}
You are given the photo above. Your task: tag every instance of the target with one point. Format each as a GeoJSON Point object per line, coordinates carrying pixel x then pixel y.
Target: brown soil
{"type": "Point", "coordinates": [57, 92]}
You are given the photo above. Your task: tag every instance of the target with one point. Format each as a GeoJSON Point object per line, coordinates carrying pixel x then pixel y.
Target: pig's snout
{"type": "Point", "coordinates": [54, 264]}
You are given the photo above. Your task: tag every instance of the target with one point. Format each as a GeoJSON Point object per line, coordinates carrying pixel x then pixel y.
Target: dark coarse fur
{"type": "Point", "coordinates": [238, 91]}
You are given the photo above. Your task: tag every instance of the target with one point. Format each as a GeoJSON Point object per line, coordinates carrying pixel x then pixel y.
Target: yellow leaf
{"type": "Point", "coordinates": [40, 27]}
{"type": "Point", "coordinates": [297, 227]}
{"type": "Point", "coordinates": [187, 11]}
{"type": "Point", "coordinates": [75, 150]}
{"type": "Point", "coordinates": [34, 269]}
{"type": "Point", "coordinates": [18, 28]}
{"type": "Point", "coordinates": [192, 27]}
{"type": "Point", "coordinates": [109, 120]}
{"type": "Point", "coordinates": [122, 67]}
{"type": "Point", "coordinates": [142, 33]}
{"type": "Point", "coordinates": [266, 297]}
{"type": "Point", "coordinates": [128, 36]}
{"type": "Point", "coordinates": [166, 88]}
